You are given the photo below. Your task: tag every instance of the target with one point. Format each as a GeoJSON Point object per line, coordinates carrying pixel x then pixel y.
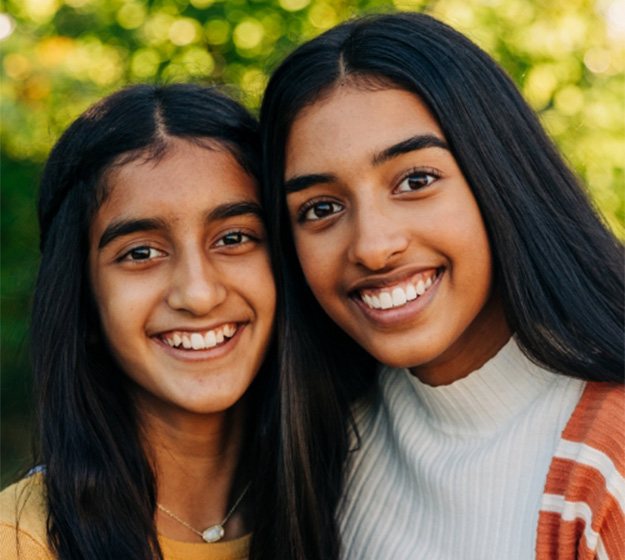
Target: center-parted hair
{"type": "Point", "coordinates": [558, 268]}
{"type": "Point", "coordinates": [100, 486]}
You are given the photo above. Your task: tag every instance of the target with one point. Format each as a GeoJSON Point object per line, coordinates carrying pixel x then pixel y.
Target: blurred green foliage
{"type": "Point", "coordinates": [59, 56]}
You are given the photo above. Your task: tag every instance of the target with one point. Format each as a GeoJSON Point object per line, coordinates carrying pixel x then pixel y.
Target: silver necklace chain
{"type": "Point", "coordinates": [213, 533]}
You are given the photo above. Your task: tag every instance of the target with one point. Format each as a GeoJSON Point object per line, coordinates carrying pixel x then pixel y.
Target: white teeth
{"type": "Point", "coordinates": [211, 339]}
{"type": "Point", "coordinates": [197, 341]}
{"type": "Point", "coordinates": [386, 302]}
{"type": "Point", "coordinates": [200, 340]}
{"type": "Point", "coordinates": [411, 293]}
{"type": "Point", "coordinates": [420, 288]}
{"type": "Point", "coordinates": [399, 297]}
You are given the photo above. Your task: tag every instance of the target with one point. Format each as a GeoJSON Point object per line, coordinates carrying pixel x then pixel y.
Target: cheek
{"type": "Point", "coordinates": [319, 263]}
{"type": "Point", "coordinates": [119, 308]}
{"type": "Point", "coordinates": [471, 263]}
{"type": "Point", "coordinates": [261, 293]}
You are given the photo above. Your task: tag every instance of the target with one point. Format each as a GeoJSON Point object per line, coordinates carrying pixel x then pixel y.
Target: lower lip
{"type": "Point", "coordinates": [190, 355]}
{"type": "Point", "coordinates": [398, 316]}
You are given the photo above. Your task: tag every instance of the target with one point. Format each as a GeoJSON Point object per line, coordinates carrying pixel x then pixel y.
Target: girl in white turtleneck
{"type": "Point", "coordinates": [436, 225]}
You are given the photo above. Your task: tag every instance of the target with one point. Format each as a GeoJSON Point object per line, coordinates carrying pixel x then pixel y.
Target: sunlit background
{"type": "Point", "coordinates": [59, 56]}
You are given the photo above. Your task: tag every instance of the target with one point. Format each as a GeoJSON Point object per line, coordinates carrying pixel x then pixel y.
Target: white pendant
{"type": "Point", "coordinates": [213, 534]}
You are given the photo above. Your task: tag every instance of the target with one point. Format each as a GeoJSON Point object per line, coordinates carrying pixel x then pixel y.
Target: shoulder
{"type": "Point", "coordinates": [584, 502]}
{"type": "Point", "coordinates": [23, 520]}
{"type": "Point", "coordinates": [598, 422]}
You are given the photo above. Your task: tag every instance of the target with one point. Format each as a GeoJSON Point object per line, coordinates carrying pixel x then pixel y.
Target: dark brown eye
{"type": "Point", "coordinates": [320, 210]}
{"type": "Point", "coordinates": [416, 181]}
{"type": "Point", "coordinates": [233, 238]}
{"type": "Point", "coordinates": [140, 253]}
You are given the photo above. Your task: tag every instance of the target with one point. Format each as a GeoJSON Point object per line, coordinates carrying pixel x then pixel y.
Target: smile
{"type": "Point", "coordinates": [200, 340]}
{"type": "Point", "coordinates": [398, 295]}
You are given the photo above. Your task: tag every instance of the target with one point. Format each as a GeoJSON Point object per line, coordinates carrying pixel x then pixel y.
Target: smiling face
{"type": "Point", "coordinates": [182, 279]}
{"type": "Point", "coordinates": [389, 234]}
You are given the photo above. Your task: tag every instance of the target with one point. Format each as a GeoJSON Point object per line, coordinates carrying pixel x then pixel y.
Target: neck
{"type": "Point", "coordinates": [195, 458]}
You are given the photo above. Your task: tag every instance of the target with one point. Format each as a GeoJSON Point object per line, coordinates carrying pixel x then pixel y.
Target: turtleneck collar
{"type": "Point", "coordinates": [488, 398]}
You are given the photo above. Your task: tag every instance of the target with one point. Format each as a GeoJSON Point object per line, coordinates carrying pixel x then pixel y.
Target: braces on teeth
{"type": "Point", "coordinates": [398, 296]}
{"type": "Point", "coordinates": [200, 341]}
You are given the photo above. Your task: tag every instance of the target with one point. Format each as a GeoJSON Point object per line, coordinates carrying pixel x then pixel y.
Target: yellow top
{"type": "Point", "coordinates": [23, 530]}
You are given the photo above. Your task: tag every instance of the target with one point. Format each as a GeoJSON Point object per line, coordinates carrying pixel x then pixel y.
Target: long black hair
{"type": "Point", "coordinates": [557, 266]}
{"type": "Point", "coordinates": [99, 483]}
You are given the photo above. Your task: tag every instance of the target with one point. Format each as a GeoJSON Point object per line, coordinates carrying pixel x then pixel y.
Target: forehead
{"type": "Point", "coordinates": [187, 179]}
{"type": "Point", "coordinates": [352, 121]}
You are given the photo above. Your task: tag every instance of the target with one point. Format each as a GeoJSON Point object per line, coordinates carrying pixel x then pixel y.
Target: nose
{"type": "Point", "coordinates": [377, 239]}
{"type": "Point", "coordinates": [196, 286]}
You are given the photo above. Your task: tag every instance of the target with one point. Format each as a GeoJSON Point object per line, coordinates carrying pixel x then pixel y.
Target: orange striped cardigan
{"type": "Point", "coordinates": [582, 515]}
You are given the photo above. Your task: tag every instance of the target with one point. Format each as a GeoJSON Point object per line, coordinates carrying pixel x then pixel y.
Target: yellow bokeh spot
{"type": "Point", "coordinates": [540, 85]}
{"type": "Point", "coordinates": [106, 67]}
{"type": "Point", "coordinates": [131, 15]}
{"type": "Point", "coordinates": [569, 100]}
{"type": "Point", "coordinates": [145, 63]}
{"type": "Point", "coordinates": [201, 4]}
{"type": "Point", "coordinates": [597, 60]}
{"type": "Point", "coordinates": [294, 5]}
{"type": "Point", "coordinates": [35, 89]}
{"type": "Point", "coordinates": [408, 5]}
{"type": "Point", "coordinates": [77, 3]}
{"type": "Point", "coordinates": [274, 27]}
{"type": "Point", "coordinates": [217, 31]}
{"type": "Point", "coordinates": [458, 14]}
{"type": "Point", "coordinates": [17, 66]}
{"type": "Point", "coordinates": [156, 28]}
{"type": "Point", "coordinates": [54, 50]}
{"type": "Point", "coordinates": [198, 62]}
{"type": "Point", "coordinates": [322, 16]}
{"type": "Point", "coordinates": [518, 12]}
{"type": "Point", "coordinates": [554, 122]}
{"type": "Point", "coordinates": [602, 115]}
{"type": "Point", "coordinates": [248, 34]}
{"type": "Point", "coordinates": [253, 82]}
{"type": "Point", "coordinates": [40, 10]}
{"type": "Point", "coordinates": [183, 32]}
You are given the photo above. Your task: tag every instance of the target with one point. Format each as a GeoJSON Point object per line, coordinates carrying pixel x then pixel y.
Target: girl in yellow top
{"type": "Point", "coordinates": [151, 324]}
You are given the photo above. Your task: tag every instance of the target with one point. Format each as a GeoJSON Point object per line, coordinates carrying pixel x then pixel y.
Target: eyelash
{"type": "Point", "coordinates": [244, 237]}
{"type": "Point", "coordinates": [128, 254]}
{"type": "Point", "coordinates": [154, 253]}
{"type": "Point", "coordinates": [431, 174]}
{"type": "Point", "coordinates": [310, 205]}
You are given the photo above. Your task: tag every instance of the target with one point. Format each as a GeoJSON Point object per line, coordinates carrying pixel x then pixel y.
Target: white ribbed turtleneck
{"type": "Point", "coordinates": [455, 472]}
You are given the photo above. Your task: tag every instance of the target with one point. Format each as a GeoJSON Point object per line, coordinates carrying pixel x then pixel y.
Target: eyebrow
{"type": "Point", "coordinates": [418, 142]}
{"type": "Point", "coordinates": [301, 182]}
{"type": "Point", "coordinates": [123, 227]}
{"type": "Point", "coordinates": [233, 209]}
{"type": "Point", "coordinates": [412, 144]}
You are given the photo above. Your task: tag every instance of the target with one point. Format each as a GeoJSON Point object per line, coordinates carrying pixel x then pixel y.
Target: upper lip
{"type": "Point", "coordinates": [378, 281]}
{"type": "Point", "coordinates": [202, 328]}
